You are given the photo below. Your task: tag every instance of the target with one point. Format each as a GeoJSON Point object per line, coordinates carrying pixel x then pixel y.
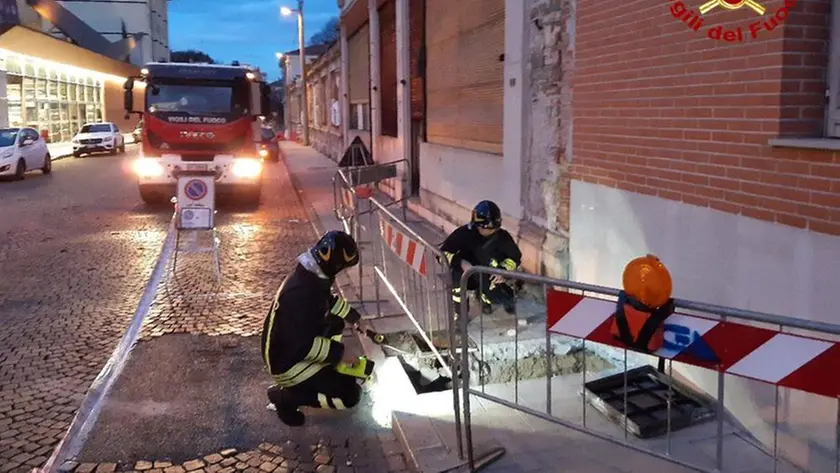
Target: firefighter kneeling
{"type": "Point", "coordinates": [643, 305]}
{"type": "Point", "coordinates": [301, 339]}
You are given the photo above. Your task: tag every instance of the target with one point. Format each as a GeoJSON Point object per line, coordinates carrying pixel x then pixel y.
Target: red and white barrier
{"type": "Point", "coordinates": [410, 251]}
{"type": "Point", "coordinates": [803, 363]}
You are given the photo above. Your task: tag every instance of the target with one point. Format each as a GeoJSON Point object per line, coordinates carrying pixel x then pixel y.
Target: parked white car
{"type": "Point", "coordinates": [98, 137]}
{"type": "Point", "coordinates": [22, 150]}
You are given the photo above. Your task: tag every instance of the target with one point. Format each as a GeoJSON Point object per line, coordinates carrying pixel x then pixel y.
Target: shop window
{"type": "Point", "coordinates": [29, 91]}
{"type": "Point", "coordinates": [65, 112]}
{"type": "Point", "coordinates": [53, 89]}
{"type": "Point", "coordinates": [72, 91]}
{"type": "Point", "coordinates": [29, 70]}
{"type": "Point", "coordinates": [98, 114]}
{"type": "Point", "coordinates": [14, 95]}
{"type": "Point", "coordinates": [55, 113]}
{"type": "Point", "coordinates": [13, 65]}
{"type": "Point", "coordinates": [62, 90]}
{"type": "Point", "coordinates": [88, 94]}
{"type": "Point", "coordinates": [43, 113]}
{"type": "Point", "coordinates": [41, 89]}
{"type": "Point", "coordinates": [42, 73]}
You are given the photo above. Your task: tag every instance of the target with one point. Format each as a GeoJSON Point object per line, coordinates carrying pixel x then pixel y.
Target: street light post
{"type": "Point", "coordinates": [303, 74]}
{"type": "Point", "coordinates": [285, 11]}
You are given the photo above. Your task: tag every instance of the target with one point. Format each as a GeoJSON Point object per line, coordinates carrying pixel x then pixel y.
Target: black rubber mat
{"type": "Point", "coordinates": [647, 402]}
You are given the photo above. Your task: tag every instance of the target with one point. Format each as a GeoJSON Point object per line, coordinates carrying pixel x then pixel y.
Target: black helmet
{"type": "Point", "coordinates": [335, 252]}
{"type": "Point", "coordinates": [486, 214]}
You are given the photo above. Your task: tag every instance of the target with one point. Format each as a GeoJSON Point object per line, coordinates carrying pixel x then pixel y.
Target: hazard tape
{"type": "Point", "coordinates": [792, 361]}
{"type": "Point", "coordinates": [410, 251]}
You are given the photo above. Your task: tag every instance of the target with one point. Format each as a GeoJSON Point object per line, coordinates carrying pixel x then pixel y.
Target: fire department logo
{"type": "Point", "coordinates": [198, 135]}
{"type": "Point", "coordinates": [765, 22]}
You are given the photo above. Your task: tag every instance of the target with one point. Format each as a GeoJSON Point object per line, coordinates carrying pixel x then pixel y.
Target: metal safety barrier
{"type": "Point", "coordinates": [789, 356]}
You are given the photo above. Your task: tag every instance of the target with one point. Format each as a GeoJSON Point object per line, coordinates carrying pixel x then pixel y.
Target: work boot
{"type": "Point", "coordinates": [510, 306]}
{"type": "Point", "coordinates": [486, 308]}
{"type": "Point", "coordinates": [286, 405]}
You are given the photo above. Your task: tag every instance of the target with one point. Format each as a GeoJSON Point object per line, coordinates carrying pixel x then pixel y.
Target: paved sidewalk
{"type": "Point", "coordinates": [532, 444]}
{"type": "Point", "coordinates": [60, 150]}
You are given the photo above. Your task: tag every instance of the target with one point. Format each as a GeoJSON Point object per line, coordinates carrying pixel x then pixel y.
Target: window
{"type": "Point", "coordinates": [832, 116]}
{"type": "Point", "coordinates": [99, 128]}
{"type": "Point", "coordinates": [360, 116]}
{"type": "Point", "coordinates": [8, 137]}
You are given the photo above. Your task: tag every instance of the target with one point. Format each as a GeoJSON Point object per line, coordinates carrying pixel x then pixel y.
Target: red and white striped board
{"type": "Point", "coordinates": [410, 251]}
{"type": "Point", "coordinates": [803, 363]}
{"type": "Point", "coordinates": [347, 198]}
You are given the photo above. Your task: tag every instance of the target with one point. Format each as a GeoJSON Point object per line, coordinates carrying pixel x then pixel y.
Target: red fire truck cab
{"type": "Point", "coordinates": [200, 117]}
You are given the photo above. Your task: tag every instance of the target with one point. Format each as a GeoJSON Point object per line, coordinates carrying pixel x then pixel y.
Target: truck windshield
{"type": "Point", "coordinates": [196, 99]}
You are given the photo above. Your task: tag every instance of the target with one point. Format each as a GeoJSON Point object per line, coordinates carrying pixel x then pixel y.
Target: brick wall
{"type": "Point", "coordinates": [661, 109]}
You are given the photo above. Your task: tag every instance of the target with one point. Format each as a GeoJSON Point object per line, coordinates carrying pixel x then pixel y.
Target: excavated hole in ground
{"type": "Point", "coordinates": [499, 366]}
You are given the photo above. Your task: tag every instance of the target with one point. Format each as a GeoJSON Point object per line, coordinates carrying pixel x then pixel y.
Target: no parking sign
{"type": "Point", "coordinates": [196, 202]}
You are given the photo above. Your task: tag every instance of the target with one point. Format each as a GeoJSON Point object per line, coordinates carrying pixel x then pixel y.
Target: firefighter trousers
{"type": "Point", "coordinates": [327, 388]}
{"type": "Point", "coordinates": [490, 293]}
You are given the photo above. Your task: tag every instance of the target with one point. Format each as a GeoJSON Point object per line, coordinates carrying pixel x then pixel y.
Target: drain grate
{"type": "Point", "coordinates": [647, 402]}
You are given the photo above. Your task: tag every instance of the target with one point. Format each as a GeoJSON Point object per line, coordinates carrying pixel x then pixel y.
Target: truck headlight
{"type": "Point", "coordinates": [264, 153]}
{"type": "Point", "coordinates": [245, 167]}
{"type": "Point", "coordinates": [145, 167]}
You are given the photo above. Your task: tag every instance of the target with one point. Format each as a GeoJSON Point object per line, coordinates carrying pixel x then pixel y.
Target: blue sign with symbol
{"type": "Point", "coordinates": [681, 339]}
{"type": "Point", "coordinates": [195, 189]}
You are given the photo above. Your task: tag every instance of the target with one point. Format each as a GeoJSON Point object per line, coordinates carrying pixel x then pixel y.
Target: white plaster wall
{"type": "Point", "coordinates": [466, 177]}
{"type": "Point", "coordinates": [724, 259]}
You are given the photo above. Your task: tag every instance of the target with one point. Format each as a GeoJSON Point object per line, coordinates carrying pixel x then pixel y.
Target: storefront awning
{"type": "Point", "coordinates": [29, 42]}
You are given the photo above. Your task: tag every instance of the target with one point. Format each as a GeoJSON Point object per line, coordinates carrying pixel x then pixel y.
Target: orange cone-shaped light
{"type": "Point", "coordinates": [648, 281]}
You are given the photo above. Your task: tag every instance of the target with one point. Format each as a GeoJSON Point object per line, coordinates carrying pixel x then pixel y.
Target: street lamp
{"type": "Point", "coordinates": [286, 11]}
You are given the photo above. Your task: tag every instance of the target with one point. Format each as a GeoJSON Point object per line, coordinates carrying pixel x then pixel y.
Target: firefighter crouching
{"type": "Point", "coordinates": [643, 305]}
{"type": "Point", "coordinates": [483, 242]}
{"type": "Point", "coordinates": [301, 338]}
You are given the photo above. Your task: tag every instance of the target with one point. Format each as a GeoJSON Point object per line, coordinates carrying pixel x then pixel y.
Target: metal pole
{"type": "Point", "coordinates": [305, 102]}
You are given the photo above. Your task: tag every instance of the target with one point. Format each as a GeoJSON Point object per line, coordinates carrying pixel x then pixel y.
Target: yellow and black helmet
{"type": "Point", "coordinates": [335, 252]}
{"type": "Point", "coordinates": [486, 214]}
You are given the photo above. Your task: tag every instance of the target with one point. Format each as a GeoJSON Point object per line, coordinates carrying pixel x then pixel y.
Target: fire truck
{"type": "Point", "coordinates": [200, 117]}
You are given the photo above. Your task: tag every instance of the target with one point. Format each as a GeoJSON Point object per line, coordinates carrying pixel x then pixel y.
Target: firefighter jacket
{"type": "Point", "coordinates": [466, 244]}
{"type": "Point", "coordinates": [295, 344]}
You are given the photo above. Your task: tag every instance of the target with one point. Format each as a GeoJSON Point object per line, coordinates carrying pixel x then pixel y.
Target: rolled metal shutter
{"type": "Point", "coordinates": [358, 47]}
{"type": "Point", "coordinates": [465, 73]}
{"type": "Point", "coordinates": [388, 67]}
{"type": "Point", "coordinates": [417, 25]}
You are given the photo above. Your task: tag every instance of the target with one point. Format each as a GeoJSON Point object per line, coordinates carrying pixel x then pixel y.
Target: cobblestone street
{"type": "Point", "coordinates": [76, 257]}
{"type": "Point", "coordinates": [77, 247]}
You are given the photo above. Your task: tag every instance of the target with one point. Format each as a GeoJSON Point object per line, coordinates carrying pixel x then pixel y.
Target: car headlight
{"type": "Point", "coordinates": [146, 167]}
{"type": "Point", "coordinates": [76, 140]}
{"type": "Point", "coordinates": [264, 153]}
{"type": "Point", "coordinates": [245, 167]}
{"type": "Point", "coordinates": [109, 138]}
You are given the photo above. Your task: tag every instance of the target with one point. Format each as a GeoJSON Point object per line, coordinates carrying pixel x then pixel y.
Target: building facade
{"type": "Point", "coordinates": [612, 129]}
{"type": "Point", "coordinates": [323, 79]}
{"type": "Point", "coordinates": [290, 67]}
{"type": "Point", "coordinates": [114, 19]}
{"type": "Point", "coordinates": [55, 86]}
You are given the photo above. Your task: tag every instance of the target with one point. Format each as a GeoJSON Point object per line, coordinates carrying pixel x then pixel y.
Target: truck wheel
{"type": "Point", "coordinates": [151, 197]}
{"type": "Point", "coordinates": [252, 197]}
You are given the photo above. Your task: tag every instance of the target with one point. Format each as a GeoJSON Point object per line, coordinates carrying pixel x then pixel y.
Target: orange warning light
{"type": "Point", "coordinates": [648, 281]}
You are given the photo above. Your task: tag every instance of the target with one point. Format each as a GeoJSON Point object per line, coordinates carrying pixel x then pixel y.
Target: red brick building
{"type": "Point", "coordinates": [606, 130]}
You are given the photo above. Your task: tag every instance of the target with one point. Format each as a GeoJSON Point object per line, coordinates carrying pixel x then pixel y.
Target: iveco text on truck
{"type": "Point", "coordinates": [200, 117]}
